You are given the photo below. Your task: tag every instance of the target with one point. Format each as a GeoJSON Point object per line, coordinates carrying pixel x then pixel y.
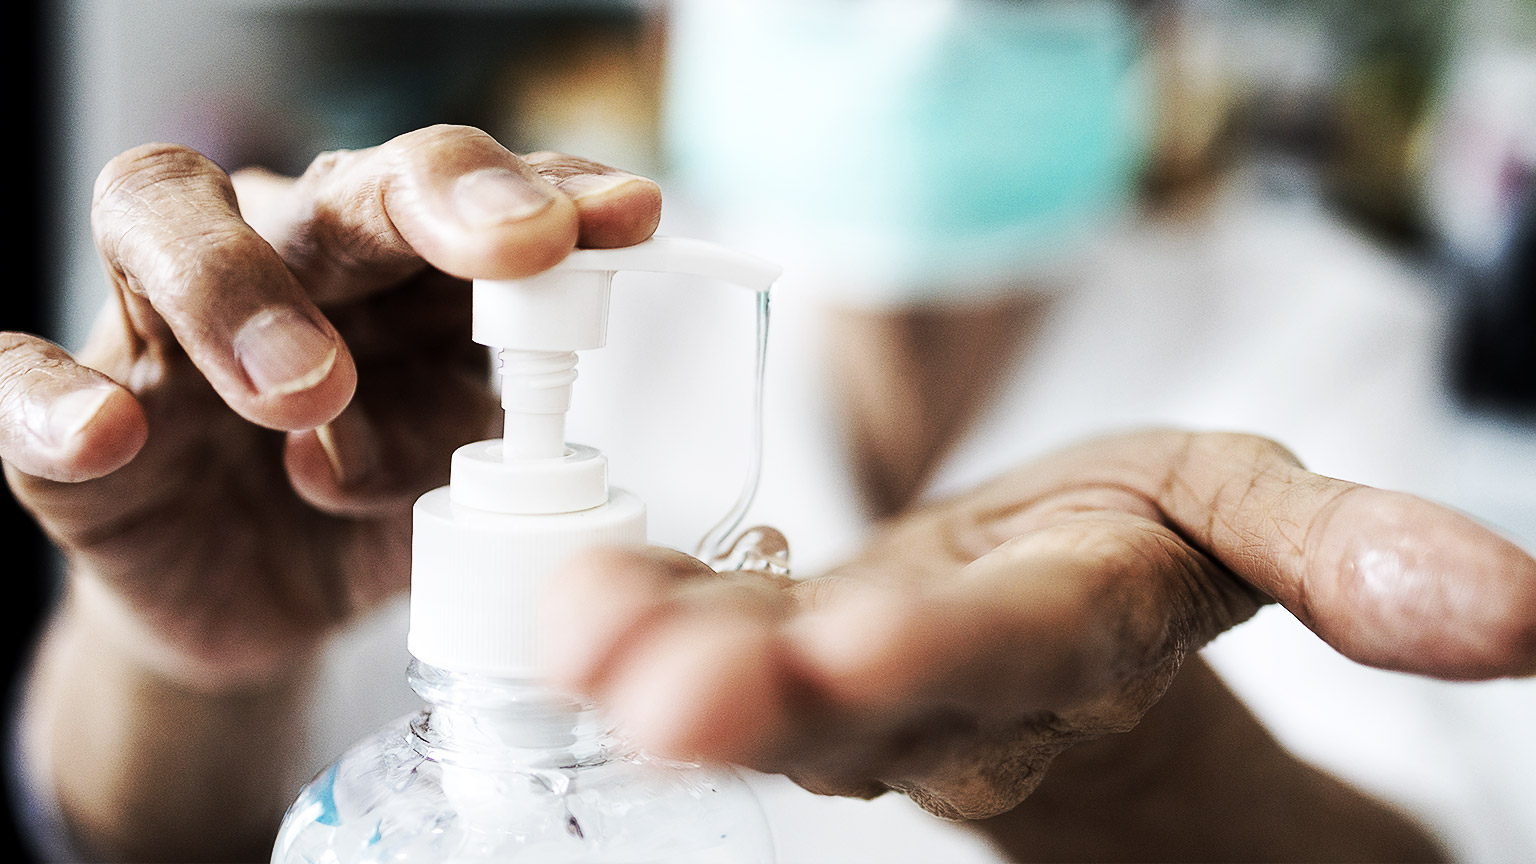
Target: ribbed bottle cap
{"type": "Point", "coordinates": [477, 577]}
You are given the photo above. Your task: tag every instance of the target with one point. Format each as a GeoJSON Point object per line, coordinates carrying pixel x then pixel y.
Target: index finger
{"type": "Point", "coordinates": [186, 265]}
{"type": "Point", "coordinates": [446, 196]}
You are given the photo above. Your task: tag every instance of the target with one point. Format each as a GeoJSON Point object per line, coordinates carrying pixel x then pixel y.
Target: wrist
{"type": "Point", "coordinates": [207, 660]}
{"type": "Point", "coordinates": [139, 756]}
{"type": "Point", "coordinates": [1180, 731]}
{"type": "Point", "coordinates": [1200, 779]}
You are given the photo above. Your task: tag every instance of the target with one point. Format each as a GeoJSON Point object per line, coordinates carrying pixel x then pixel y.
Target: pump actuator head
{"type": "Point", "coordinates": [565, 308]}
{"type": "Point", "coordinates": [518, 507]}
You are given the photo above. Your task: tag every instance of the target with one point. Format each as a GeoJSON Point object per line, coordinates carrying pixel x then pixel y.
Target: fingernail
{"type": "Point", "coordinates": [72, 412]}
{"type": "Point", "coordinates": [590, 187]}
{"type": "Point", "coordinates": [327, 440]}
{"type": "Point", "coordinates": [283, 352]}
{"type": "Point", "coordinates": [350, 447]}
{"type": "Point", "coordinates": [492, 196]}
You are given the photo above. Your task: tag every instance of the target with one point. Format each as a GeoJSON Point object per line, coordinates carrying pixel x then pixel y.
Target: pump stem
{"type": "Point", "coordinates": [536, 393]}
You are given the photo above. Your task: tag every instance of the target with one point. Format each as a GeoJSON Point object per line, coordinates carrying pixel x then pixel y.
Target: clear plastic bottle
{"type": "Point", "coordinates": [500, 770]}
{"type": "Point", "coordinates": [497, 767]}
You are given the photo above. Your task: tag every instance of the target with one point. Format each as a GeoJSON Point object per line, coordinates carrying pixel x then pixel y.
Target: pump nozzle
{"type": "Point", "coordinates": [565, 308]}
{"type": "Point", "coordinates": [678, 255]}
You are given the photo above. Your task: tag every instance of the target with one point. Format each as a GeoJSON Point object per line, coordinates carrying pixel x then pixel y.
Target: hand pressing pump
{"type": "Point", "coordinates": [496, 767]}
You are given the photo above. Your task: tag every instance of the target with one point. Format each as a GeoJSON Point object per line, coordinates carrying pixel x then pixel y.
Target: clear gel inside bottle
{"type": "Point", "coordinates": [501, 770]}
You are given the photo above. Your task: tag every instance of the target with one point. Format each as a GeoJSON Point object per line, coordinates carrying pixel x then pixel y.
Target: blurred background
{"type": "Point", "coordinates": [1314, 220]}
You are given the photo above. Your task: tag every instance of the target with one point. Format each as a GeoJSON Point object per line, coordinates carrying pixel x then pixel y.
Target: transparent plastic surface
{"type": "Point", "coordinates": [493, 770]}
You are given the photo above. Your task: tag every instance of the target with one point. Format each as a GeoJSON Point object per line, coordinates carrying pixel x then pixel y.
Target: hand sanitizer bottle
{"type": "Point", "coordinates": [497, 767]}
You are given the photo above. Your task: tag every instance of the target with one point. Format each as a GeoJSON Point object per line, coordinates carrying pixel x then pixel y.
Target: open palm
{"type": "Point", "coordinates": [975, 640]}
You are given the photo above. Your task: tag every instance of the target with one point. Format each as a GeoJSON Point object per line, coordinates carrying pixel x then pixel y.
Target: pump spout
{"type": "Point", "coordinates": [565, 308]}
{"type": "Point", "coordinates": [679, 255]}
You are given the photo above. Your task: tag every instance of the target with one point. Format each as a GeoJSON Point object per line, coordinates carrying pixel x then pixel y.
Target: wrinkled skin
{"type": "Point", "coordinates": [284, 366]}
{"type": "Point", "coordinates": [228, 467]}
{"type": "Point", "coordinates": [229, 529]}
{"type": "Point", "coordinates": [974, 640]}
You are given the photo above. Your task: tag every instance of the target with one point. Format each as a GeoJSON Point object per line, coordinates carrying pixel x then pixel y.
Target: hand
{"type": "Point", "coordinates": [281, 369]}
{"type": "Point", "coordinates": [978, 638]}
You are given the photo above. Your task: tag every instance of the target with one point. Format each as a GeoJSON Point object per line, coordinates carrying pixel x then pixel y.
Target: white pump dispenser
{"type": "Point", "coordinates": [496, 766]}
{"type": "Point", "coordinates": [518, 507]}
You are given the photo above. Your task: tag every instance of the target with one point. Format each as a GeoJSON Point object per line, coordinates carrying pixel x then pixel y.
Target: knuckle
{"type": "Point", "coordinates": [327, 164]}
{"type": "Point", "coordinates": [345, 220]}
{"type": "Point", "coordinates": [24, 364]}
{"type": "Point", "coordinates": [13, 346]}
{"type": "Point", "coordinates": [127, 210]}
{"type": "Point", "coordinates": [20, 353]}
{"type": "Point", "coordinates": [436, 151]}
{"type": "Point", "coordinates": [16, 359]}
{"type": "Point", "coordinates": [560, 166]}
{"type": "Point", "coordinates": [1255, 449]}
{"type": "Point", "coordinates": [128, 175]}
{"type": "Point", "coordinates": [212, 256]}
{"type": "Point", "coordinates": [442, 135]}
{"type": "Point", "coordinates": [323, 170]}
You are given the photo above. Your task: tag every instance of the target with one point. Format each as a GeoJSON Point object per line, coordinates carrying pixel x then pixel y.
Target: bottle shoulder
{"type": "Point", "coordinates": [394, 796]}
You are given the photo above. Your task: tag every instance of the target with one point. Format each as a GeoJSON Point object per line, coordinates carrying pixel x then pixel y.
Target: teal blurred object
{"type": "Point", "coordinates": [926, 145]}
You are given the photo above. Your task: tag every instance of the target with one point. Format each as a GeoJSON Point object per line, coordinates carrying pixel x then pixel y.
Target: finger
{"type": "Point", "coordinates": [60, 420]}
{"type": "Point", "coordinates": [705, 681]}
{"type": "Point", "coordinates": [1087, 616]}
{"type": "Point", "coordinates": [597, 604]}
{"type": "Point", "coordinates": [615, 208]}
{"type": "Point", "coordinates": [1388, 579]}
{"type": "Point", "coordinates": [686, 660]}
{"type": "Point", "coordinates": [386, 448]}
{"type": "Point", "coordinates": [448, 196]}
{"type": "Point", "coordinates": [178, 252]}
{"type": "Point", "coordinates": [336, 467]}
{"type": "Point", "coordinates": [959, 691]}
